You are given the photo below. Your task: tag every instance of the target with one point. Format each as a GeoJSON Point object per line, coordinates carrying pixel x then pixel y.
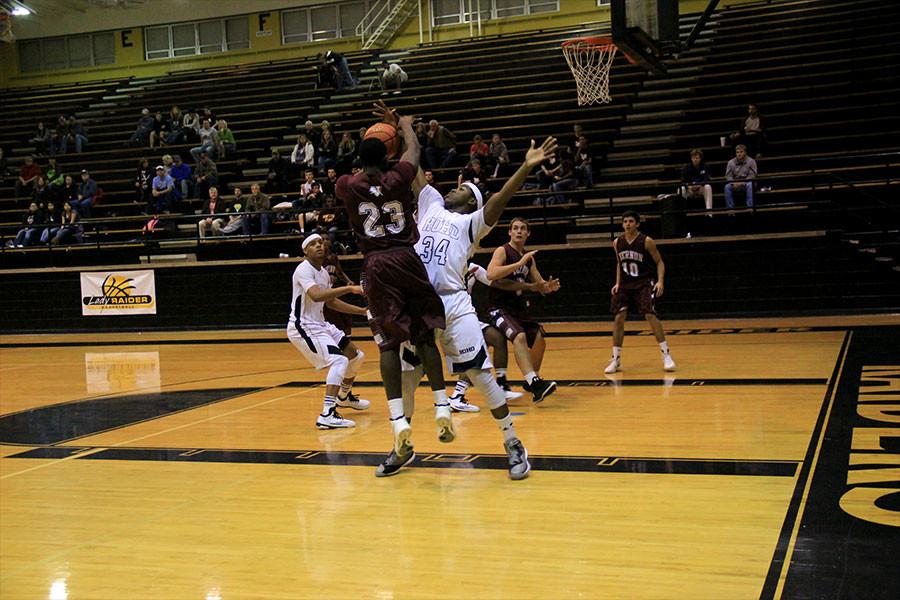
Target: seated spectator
{"type": "Point", "coordinates": [29, 172]}
{"type": "Point", "coordinates": [307, 207]}
{"type": "Point", "coordinates": [167, 162]}
{"type": "Point", "coordinates": [142, 180]}
{"type": "Point", "coordinates": [498, 157]}
{"type": "Point", "coordinates": [205, 175]}
{"type": "Point", "coordinates": [174, 126]}
{"type": "Point", "coordinates": [441, 148]}
{"type": "Point", "coordinates": [141, 135]}
{"type": "Point", "coordinates": [309, 178]}
{"type": "Point", "coordinates": [181, 174]}
{"type": "Point", "coordinates": [695, 179]}
{"type": "Point", "coordinates": [51, 222]}
{"type": "Point", "coordinates": [235, 223]}
{"type": "Point", "coordinates": [157, 228]}
{"type": "Point", "coordinates": [751, 133]}
{"type": "Point", "coordinates": [583, 160]}
{"type": "Point", "coordinates": [329, 183]}
{"type": "Point", "coordinates": [472, 173]}
{"type": "Point", "coordinates": [158, 131]}
{"type": "Point", "coordinates": [214, 209]}
{"type": "Point", "coordinates": [227, 143]}
{"type": "Point", "coordinates": [478, 149]}
{"type": "Point", "coordinates": [740, 173]}
{"type": "Point", "coordinates": [327, 151]}
{"type": "Point", "coordinates": [329, 218]}
{"type": "Point", "coordinates": [346, 151]}
{"type": "Point", "coordinates": [87, 195]}
{"type": "Point", "coordinates": [190, 126]}
{"type": "Point", "coordinates": [53, 175]}
{"type": "Point", "coordinates": [32, 222]}
{"type": "Point", "coordinates": [429, 179]}
{"type": "Point", "coordinates": [257, 209]}
{"type": "Point", "coordinates": [304, 154]}
{"type": "Point", "coordinates": [565, 179]}
{"type": "Point", "coordinates": [162, 189]}
{"type": "Point", "coordinates": [571, 146]}
{"type": "Point", "coordinates": [392, 76]}
{"type": "Point", "coordinates": [278, 174]}
{"type": "Point", "coordinates": [312, 134]}
{"type": "Point", "coordinates": [207, 115]}
{"type": "Point", "coordinates": [69, 227]}
{"type": "Point", "coordinates": [548, 171]}
{"type": "Point", "coordinates": [41, 140]}
{"type": "Point", "coordinates": [42, 192]}
{"type": "Point", "coordinates": [75, 134]}
{"type": "Point", "coordinates": [344, 77]}
{"type": "Point", "coordinates": [68, 192]}
{"type": "Point", "coordinates": [209, 141]}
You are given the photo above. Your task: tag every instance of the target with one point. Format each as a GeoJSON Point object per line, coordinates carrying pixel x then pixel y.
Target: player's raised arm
{"type": "Point", "coordinates": [659, 287]}
{"type": "Point", "coordinates": [497, 203]}
{"type": "Point", "coordinates": [404, 127]}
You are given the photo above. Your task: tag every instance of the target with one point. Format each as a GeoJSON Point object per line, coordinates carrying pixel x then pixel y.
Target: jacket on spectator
{"type": "Point", "coordinates": [207, 169]}
{"type": "Point", "coordinates": [740, 171]}
{"type": "Point", "coordinates": [87, 189]}
{"type": "Point", "coordinates": [695, 175]}
{"type": "Point", "coordinates": [257, 202]}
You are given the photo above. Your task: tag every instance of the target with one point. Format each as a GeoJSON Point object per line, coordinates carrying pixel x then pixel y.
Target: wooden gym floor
{"type": "Point", "coordinates": [186, 465]}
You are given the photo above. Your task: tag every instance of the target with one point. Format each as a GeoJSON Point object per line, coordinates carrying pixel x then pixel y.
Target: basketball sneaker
{"type": "Point", "coordinates": [614, 365]}
{"type": "Point", "coordinates": [459, 404]}
{"type": "Point", "coordinates": [518, 459]}
{"type": "Point", "coordinates": [397, 459]}
{"type": "Point", "coordinates": [507, 391]}
{"type": "Point", "coordinates": [351, 401]}
{"type": "Point", "coordinates": [669, 362]}
{"type": "Point", "coordinates": [332, 420]}
{"type": "Point", "coordinates": [540, 389]}
{"type": "Point", "coordinates": [444, 422]}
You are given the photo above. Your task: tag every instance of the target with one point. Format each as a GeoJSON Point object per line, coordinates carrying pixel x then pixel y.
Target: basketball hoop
{"type": "Point", "coordinates": [590, 60]}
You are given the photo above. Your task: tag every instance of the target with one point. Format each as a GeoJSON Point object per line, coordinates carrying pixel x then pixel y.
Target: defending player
{"type": "Point", "coordinates": [509, 310]}
{"type": "Point", "coordinates": [402, 303]}
{"type": "Point", "coordinates": [635, 288]}
{"type": "Point", "coordinates": [449, 230]}
{"type": "Point", "coordinates": [323, 344]}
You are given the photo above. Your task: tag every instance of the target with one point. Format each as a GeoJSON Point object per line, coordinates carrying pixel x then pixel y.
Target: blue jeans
{"type": "Point", "coordinates": [748, 193]}
{"type": "Point", "coordinates": [196, 152]}
{"type": "Point", "coordinates": [82, 206]}
{"type": "Point", "coordinates": [25, 236]}
{"type": "Point", "coordinates": [264, 220]}
{"type": "Point", "coordinates": [80, 140]}
{"type": "Point", "coordinates": [48, 234]}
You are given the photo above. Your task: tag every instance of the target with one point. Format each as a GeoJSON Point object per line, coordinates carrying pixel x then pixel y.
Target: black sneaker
{"type": "Point", "coordinates": [518, 459]}
{"type": "Point", "coordinates": [541, 389]}
{"type": "Point", "coordinates": [394, 462]}
{"type": "Point", "coordinates": [526, 386]}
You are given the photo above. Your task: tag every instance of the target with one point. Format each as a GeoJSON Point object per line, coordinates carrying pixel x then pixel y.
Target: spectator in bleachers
{"type": "Point", "coordinates": [69, 227]}
{"type": "Point", "coordinates": [392, 76]}
{"type": "Point", "coordinates": [213, 209]}
{"type": "Point", "coordinates": [307, 207]}
{"type": "Point", "coordinates": [740, 173]}
{"type": "Point", "coordinates": [345, 152]}
{"type": "Point", "coordinates": [473, 172]}
{"type": "Point", "coordinates": [28, 173]}
{"type": "Point", "coordinates": [327, 151]}
{"type": "Point", "coordinates": [227, 143]}
{"type": "Point", "coordinates": [142, 180]}
{"type": "Point", "coordinates": [258, 207]}
{"type": "Point", "coordinates": [583, 160]}
{"type": "Point", "coordinates": [751, 133]}
{"type": "Point", "coordinates": [54, 175]}
{"type": "Point", "coordinates": [76, 134]}
{"type": "Point", "coordinates": [312, 134]}
{"type": "Point", "coordinates": [158, 130]}
{"type": "Point", "coordinates": [695, 180]}
{"type": "Point", "coordinates": [309, 177]}
{"type": "Point", "coordinates": [344, 77]}
{"type": "Point", "coordinates": [190, 125]}
{"type": "Point", "coordinates": [429, 178]}
{"type": "Point", "coordinates": [206, 174]}
{"type": "Point", "coordinates": [329, 183]}
{"type": "Point", "coordinates": [209, 141]}
{"type": "Point", "coordinates": [304, 154]}
{"type": "Point", "coordinates": [498, 157]}
{"type": "Point", "coordinates": [57, 135]}
{"type": "Point", "coordinates": [32, 222]}
{"type": "Point", "coordinates": [549, 169]}
{"type": "Point", "coordinates": [42, 192]}
{"type": "Point", "coordinates": [141, 135]}
{"type": "Point", "coordinates": [570, 147]}
{"type": "Point", "coordinates": [51, 222]}
{"type": "Point", "coordinates": [167, 162]}
{"type": "Point", "coordinates": [278, 174]}
{"type": "Point", "coordinates": [207, 115]}
{"type": "Point", "coordinates": [161, 192]}
{"type": "Point", "coordinates": [565, 179]}
{"type": "Point", "coordinates": [68, 193]}
{"type": "Point", "coordinates": [235, 221]}
{"type": "Point", "coordinates": [41, 139]}
{"type": "Point", "coordinates": [182, 176]}
{"type": "Point", "coordinates": [441, 148]}
{"type": "Point", "coordinates": [327, 75]}
{"type": "Point", "coordinates": [479, 149]}
{"type": "Point", "coordinates": [174, 126]}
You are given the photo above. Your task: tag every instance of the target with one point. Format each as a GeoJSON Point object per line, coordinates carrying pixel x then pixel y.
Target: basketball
{"type": "Point", "coordinates": [387, 133]}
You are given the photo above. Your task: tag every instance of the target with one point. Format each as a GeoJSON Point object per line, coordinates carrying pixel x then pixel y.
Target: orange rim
{"type": "Point", "coordinates": [590, 43]}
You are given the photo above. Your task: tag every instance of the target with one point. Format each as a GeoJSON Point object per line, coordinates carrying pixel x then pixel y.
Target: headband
{"type": "Point", "coordinates": [309, 240]}
{"type": "Point", "coordinates": [479, 199]}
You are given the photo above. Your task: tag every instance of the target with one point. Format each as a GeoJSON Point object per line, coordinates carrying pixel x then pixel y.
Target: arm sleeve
{"type": "Point", "coordinates": [479, 273]}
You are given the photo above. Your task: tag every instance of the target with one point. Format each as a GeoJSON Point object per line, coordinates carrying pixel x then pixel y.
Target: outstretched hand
{"type": "Point", "coordinates": [549, 286]}
{"type": "Point", "coordinates": [537, 155]}
{"type": "Point", "coordinates": [386, 113]}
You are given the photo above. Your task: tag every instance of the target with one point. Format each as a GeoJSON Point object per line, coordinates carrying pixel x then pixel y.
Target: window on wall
{"type": "Point", "coordinates": [66, 52]}
{"type": "Point", "coordinates": [188, 39]}
{"type": "Point", "coordinates": [322, 22]}
{"type": "Point", "coordinates": [450, 12]}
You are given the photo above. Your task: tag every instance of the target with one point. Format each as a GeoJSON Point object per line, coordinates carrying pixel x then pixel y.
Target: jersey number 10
{"type": "Point", "coordinates": [630, 268]}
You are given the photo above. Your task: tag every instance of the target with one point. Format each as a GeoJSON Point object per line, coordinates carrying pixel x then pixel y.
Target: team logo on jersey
{"type": "Point", "coordinates": [375, 190]}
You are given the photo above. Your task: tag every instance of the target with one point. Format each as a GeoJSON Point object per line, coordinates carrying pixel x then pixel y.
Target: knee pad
{"type": "Point", "coordinates": [354, 364]}
{"type": "Point", "coordinates": [337, 370]}
{"type": "Point", "coordinates": [485, 383]}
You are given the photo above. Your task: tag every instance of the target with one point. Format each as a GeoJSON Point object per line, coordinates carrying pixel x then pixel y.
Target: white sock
{"type": "Point", "coordinates": [440, 397]}
{"type": "Point", "coordinates": [529, 376]}
{"type": "Point", "coordinates": [345, 389]}
{"type": "Point", "coordinates": [329, 404]}
{"type": "Point", "coordinates": [664, 347]}
{"type": "Point", "coordinates": [395, 408]}
{"type": "Point", "coordinates": [506, 426]}
{"type": "Point", "coordinates": [617, 352]}
{"type": "Point", "coordinates": [461, 388]}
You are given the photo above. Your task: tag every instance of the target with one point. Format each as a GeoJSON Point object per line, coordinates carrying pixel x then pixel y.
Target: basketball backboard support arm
{"type": "Point", "coordinates": [700, 24]}
{"type": "Point", "coordinates": [645, 31]}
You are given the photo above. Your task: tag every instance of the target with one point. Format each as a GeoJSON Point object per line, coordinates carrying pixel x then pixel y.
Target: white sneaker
{"type": "Point", "coordinates": [351, 401]}
{"type": "Point", "coordinates": [402, 432]}
{"type": "Point", "coordinates": [614, 365]}
{"type": "Point", "coordinates": [459, 404]}
{"type": "Point", "coordinates": [669, 362]}
{"type": "Point", "coordinates": [511, 395]}
{"type": "Point", "coordinates": [332, 420]}
{"type": "Point", "coordinates": [444, 422]}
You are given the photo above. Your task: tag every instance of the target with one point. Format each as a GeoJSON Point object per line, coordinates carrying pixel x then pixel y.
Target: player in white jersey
{"type": "Point", "coordinates": [323, 344]}
{"type": "Point", "coordinates": [449, 231]}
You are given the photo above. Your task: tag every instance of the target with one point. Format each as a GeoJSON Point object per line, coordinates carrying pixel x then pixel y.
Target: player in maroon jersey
{"type": "Point", "coordinates": [636, 287]}
{"type": "Point", "coordinates": [332, 264]}
{"type": "Point", "coordinates": [508, 310]}
{"type": "Point", "coordinates": [402, 302]}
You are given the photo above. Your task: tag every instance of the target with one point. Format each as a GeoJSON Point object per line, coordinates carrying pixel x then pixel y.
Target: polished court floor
{"type": "Point", "coordinates": [186, 465]}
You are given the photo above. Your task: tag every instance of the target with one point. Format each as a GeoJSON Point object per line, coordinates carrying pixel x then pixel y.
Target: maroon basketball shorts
{"type": "Point", "coordinates": [640, 299]}
{"type": "Point", "coordinates": [402, 303]}
{"type": "Point", "coordinates": [512, 325]}
{"type": "Point", "coordinates": [342, 321]}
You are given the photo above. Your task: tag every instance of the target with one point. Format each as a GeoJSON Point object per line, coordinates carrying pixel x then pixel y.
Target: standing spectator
{"type": "Point", "coordinates": [41, 139]}
{"type": "Point", "coordinates": [141, 135]}
{"type": "Point", "coordinates": [751, 133]}
{"type": "Point", "coordinates": [209, 141]}
{"type": "Point", "coordinates": [69, 227]}
{"type": "Point", "coordinates": [174, 126]}
{"type": "Point", "coordinates": [227, 143]}
{"type": "Point", "coordinates": [29, 172]}
{"type": "Point", "coordinates": [51, 222]}
{"type": "Point", "coordinates": [157, 130]}
{"type": "Point", "coordinates": [473, 173]}
{"type": "Point", "coordinates": [142, 180]}
{"type": "Point", "coordinates": [344, 77]}
{"type": "Point", "coordinates": [236, 218]}
{"type": "Point", "coordinates": [277, 175]}
{"type": "Point", "coordinates": [181, 174]}
{"type": "Point", "coordinates": [392, 75]}
{"type": "Point", "coordinates": [258, 207]}
{"type": "Point", "coordinates": [584, 162]}
{"type": "Point", "coordinates": [205, 175]}
{"type": "Point", "coordinates": [345, 152]}
{"type": "Point", "coordinates": [498, 156]}
{"type": "Point", "coordinates": [695, 180]}
{"type": "Point", "coordinates": [327, 151]}
{"type": "Point", "coordinates": [162, 189]}
{"type": "Point", "coordinates": [32, 221]}
{"type": "Point", "coordinates": [76, 134]}
{"type": "Point", "coordinates": [304, 153]}
{"type": "Point", "coordinates": [740, 173]}
{"type": "Point", "coordinates": [478, 149]}
{"type": "Point", "coordinates": [213, 209]}
{"type": "Point", "coordinates": [441, 145]}
{"type": "Point", "coordinates": [54, 175]}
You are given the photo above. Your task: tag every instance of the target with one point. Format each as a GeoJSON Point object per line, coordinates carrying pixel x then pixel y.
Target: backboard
{"type": "Point", "coordinates": [646, 31]}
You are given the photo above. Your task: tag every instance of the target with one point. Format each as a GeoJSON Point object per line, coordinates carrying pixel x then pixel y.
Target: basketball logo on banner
{"type": "Point", "coordinates": [119, 293]}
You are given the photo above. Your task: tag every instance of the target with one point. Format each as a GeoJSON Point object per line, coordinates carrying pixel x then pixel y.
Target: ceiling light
{"type": "Point", "coordinates": [20, 11]}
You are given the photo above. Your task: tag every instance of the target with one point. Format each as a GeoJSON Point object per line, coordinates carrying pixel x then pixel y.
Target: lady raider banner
{"type": "Point", "coordinates": [118, 293]}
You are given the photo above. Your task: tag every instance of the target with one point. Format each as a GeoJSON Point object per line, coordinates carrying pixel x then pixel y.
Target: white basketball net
{"type": "Point", "coordinates": [590, 63]}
